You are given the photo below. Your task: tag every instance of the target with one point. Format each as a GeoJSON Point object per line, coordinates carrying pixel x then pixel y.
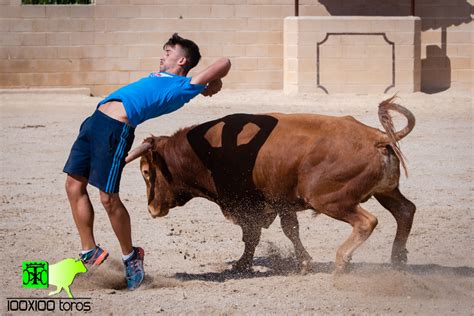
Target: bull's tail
{"type": "Point", "coordinates": [394, 136]}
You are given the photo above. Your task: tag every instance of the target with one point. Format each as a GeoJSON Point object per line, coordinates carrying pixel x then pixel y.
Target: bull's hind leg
{"type": "Point", "coordinates": [403, 210]}
{"type": "Point", "coordinates": [251, 232]}
{"type": "Point", "coordinates": [363, 224]}
{"type": "Point", "coordinates": [290, 226]}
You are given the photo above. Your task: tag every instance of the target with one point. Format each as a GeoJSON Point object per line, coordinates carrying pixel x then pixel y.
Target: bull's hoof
{"type": "Point", "coordinates": [242, 267]}
{"type": "Point", "coordinates": [343, 266]}
{"type": "Point", "coordinates": [341, 269]}
{"type": "Point", "coordinates": [400, 258]}
{"type": "Point", "coordinates": [304, 267]}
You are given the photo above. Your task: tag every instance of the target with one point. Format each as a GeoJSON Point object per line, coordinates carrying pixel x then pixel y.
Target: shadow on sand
{"type": "Point", "coordinates": [288, 266]}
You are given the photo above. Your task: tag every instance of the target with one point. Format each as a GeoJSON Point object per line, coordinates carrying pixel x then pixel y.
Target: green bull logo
{"type": "Point", "coordinates": [63, 273]}
{"type": "Point", "coordinates": [38, 274]}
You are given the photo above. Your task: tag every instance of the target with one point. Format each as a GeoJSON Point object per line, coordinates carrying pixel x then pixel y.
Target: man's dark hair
{"type": "Point", "coordinates": [190, 48]}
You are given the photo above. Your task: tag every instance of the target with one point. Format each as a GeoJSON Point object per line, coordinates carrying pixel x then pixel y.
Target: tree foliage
{"type": "Point", "coordinates": [56, 1]}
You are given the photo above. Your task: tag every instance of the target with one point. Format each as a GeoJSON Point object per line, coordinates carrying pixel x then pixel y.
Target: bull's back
{"type": "Point", "coordinates": [256, 156]}
{"type": "Point", "coordinates": [302, 143]}
{"type": "Point", "coordinates": [311, 127]}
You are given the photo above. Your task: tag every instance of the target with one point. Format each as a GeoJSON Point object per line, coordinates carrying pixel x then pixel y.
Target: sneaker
{"type": "Point", "coordinates": [134, 272]}
{"type": "Point", "coordinates": [94, 258]}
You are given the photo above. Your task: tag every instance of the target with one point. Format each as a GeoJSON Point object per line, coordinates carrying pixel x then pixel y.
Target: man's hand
{"type": "Point", "coordinates": [212, 88]}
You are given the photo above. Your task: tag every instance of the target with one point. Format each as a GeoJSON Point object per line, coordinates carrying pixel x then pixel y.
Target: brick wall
{"type": "Point", "coordinates": [113, 42]}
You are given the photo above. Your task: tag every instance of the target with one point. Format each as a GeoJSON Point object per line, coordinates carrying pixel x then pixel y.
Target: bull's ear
{"type": "Point", "coordinates": [156, 142]}
{"type": "Point", "coordinates": [149, 140]}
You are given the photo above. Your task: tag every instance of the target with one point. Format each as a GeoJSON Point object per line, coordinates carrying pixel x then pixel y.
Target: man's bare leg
{"type": "Point", "coordinates": [120, 220]}
{"type": "Point", "coordinates": [82, 210]}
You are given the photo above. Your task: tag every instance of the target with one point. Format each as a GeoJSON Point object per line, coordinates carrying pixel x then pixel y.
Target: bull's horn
{"type": "Point", "coordinates": [137, 152]}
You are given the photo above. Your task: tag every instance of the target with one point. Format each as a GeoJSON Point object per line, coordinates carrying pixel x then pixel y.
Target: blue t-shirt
{"type": "Point", "coordinates": [159, 93]}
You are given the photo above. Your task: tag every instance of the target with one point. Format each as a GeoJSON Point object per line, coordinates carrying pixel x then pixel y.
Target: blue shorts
{"type": "Point", "coordinates": [99, 151]}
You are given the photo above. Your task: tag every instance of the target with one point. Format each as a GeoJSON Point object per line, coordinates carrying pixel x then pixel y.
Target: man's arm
{"type": "Point", "coordinates": [211, 76]}
{"type": "Point", "coordinates": [217, 70]}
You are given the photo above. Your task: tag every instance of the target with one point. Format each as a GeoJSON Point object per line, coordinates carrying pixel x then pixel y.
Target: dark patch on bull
{"type": "Point", "coordinates": [152, 179]}
{"type": "Point", "coordinates": [183, 198]}
{"type": "Point", "coordinates": [231, 165]}
{"type": "Point", "coordinates": [158, 160]}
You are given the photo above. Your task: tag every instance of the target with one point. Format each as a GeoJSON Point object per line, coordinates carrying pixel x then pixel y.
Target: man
{"type": "Point", "coordinates": [98, 155]}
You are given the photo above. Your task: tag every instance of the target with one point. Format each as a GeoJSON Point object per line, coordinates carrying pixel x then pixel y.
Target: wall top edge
{"type": "Point", "coordinates": [356, 17]}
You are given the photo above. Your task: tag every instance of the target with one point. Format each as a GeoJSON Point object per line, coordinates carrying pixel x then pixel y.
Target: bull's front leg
{"type": "Point", "coordinates": [251, 237]}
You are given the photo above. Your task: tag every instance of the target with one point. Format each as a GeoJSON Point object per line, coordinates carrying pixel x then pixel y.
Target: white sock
{"type": "Point", "coordinates": [126, 257]}
{"type": "Point", "coordinates": [87, 251]}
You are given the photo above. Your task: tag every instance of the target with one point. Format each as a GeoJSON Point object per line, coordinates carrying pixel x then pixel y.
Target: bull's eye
{"type": "Point", "coordinates": [145, 174]}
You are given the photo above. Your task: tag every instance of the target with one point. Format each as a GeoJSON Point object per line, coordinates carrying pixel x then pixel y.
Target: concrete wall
{"type": "Point", "coordinates": [352, 54]}
{"type": "Point", "coordinates": [447, 45]}
{"type": "Point", "coordinates": [113, 42]}
{"type": "Point", "coordinates": [447, 37]}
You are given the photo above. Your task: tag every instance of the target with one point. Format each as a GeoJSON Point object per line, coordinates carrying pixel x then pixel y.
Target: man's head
{"type": "Point", "coordinates": [180, 55]}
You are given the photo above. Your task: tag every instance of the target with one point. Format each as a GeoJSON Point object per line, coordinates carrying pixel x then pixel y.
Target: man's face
{"type": "Point", "coordinates": [173, 57]}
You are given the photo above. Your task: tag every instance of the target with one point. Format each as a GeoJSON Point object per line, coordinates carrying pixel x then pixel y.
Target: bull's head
{"type": "Point", "coordinates": [157, 176]}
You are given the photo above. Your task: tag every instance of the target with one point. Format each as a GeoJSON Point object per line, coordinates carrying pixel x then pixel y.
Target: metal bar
{"type": "Point", "coordinates": [297, 7]}
{"type": "Point", "coordinates": [413, 7]}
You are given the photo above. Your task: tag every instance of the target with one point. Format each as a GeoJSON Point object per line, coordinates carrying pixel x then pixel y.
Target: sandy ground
{"type": "Point", "coordinates": [188, 251]}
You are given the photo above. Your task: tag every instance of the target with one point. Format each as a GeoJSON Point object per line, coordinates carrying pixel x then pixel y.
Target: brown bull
{"type": "Point", "coordinates": [256, 167]}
